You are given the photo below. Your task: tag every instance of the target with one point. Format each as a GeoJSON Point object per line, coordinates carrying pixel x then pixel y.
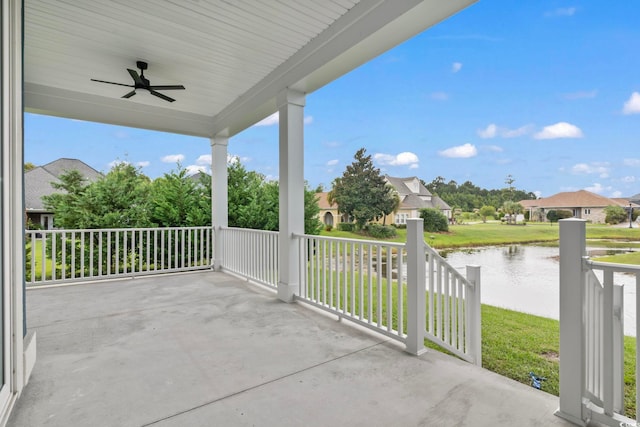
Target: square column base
{"type": "Point", "coordinates": [286, 291]}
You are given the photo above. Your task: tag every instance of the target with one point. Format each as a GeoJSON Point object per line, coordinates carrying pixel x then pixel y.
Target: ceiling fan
{"type": "Point", "coordinates": [141, 82]}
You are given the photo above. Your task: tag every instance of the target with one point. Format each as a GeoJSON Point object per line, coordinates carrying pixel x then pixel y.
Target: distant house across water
{"type": "Point", "coordinates": [582, 204]}
{"type": "Point", "coordinates": [413, 197]}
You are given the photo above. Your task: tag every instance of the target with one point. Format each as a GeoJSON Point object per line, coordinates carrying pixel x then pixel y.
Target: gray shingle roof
{"type": "Point", "coordinates": [410, 198]}
{"type": "Point", "coordinates": [37, 182]}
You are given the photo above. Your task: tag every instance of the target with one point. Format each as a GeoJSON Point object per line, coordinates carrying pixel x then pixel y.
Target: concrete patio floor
{"type": "Point", "coordinates": [208, 349]}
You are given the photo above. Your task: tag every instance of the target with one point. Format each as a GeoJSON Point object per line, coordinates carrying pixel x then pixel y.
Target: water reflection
{"type": "Point", "coordinates": [526, 278]}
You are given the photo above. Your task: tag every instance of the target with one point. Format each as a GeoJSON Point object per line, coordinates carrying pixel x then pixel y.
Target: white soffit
{"type": "Point", "coordinates": [233, 57]}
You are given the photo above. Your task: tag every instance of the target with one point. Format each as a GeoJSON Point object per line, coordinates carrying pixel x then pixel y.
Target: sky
{"type": "Point", "coordinates": [545, 91]}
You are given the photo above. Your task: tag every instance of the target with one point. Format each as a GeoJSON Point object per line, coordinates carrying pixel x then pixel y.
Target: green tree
{"type": "Point", "coordinates": [361, 192]}
{"type": "Point", "coordinates": [512, 209]}
{"type": "Point", "coordinates": [67, 204]}
{"type": "Point", "coordinates": [615, 214]}
{"type": "Point", "coordinates": [254, 201]}
{"type": "Point", "coordinates": [487, 211]}
{"type": "Point", "coordinates": [28, 166]}
{"type": "Point", "coordinates": [434, 220]}
{"type": "Point", "coordinates": [179, 201]}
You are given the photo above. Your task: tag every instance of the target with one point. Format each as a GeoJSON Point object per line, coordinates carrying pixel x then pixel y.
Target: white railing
{"type": "Point", "coordinates": [80, 255]}
{"type": "Point", "coordinates": [592, 334]}
{"type": "Point", "coordinates": [453, 308]}
{"type": "Point", "coordinates": [604, 337]}
{"type": "Point", "coordinates": [387, 287]}
{"type": "Point", "coordinates": [252, 254]}
{"type": "Point", "coordinates": [360, 280]}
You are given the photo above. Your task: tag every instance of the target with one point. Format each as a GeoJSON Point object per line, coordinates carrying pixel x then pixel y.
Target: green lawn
{"type": "Point", "coordinates": [493, 233]}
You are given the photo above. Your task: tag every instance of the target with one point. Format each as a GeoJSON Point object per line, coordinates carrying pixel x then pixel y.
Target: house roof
{"type": "Point", "coordinates": [402, 185]}
{"type": "Point", "coordinates": [323, 203]}
{"type": "Point", "coordinates": [235, 59]}
{"type": "Point", "coordinates": [573, 199]}
{"type": "Point", "coordinates": [414, 195]}
{"type": "Point", "coordinates": [37, 182]}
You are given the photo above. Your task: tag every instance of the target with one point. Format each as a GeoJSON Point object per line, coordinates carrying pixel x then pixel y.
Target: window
{"type": "Point", "coordinates": [587, 211]}
{"type": "Point", "coordinates": [401, 218]}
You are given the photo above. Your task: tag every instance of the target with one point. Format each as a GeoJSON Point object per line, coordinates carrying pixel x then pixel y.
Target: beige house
{"type": "Point", "coordinates": [413, 197]}
{"type": "Point", "coordinates": [582, 204]}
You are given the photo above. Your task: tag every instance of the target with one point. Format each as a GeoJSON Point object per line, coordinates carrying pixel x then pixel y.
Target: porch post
{"type": "Point", "coordinates": [291, 110]}
{"type": "Point", "coordinates": [572, 359]}
{"type": "Point", "coordinates": [416, 287]}
{"type": "Point", "coordinates": [219, 195]}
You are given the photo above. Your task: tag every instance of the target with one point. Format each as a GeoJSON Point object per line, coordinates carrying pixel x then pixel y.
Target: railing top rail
{"type": "Point", "coordinates": [459, 276]}
{"type": "Point", "coordinates": [360, 241]}
{"type": "Point", "coordinates": [247, 230]}
{"type": "Point", "coordinates": [621, 268]}
{"type": "Point", "coordinates": [86, 230]}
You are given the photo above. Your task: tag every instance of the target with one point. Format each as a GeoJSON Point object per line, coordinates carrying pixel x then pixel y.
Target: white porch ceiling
{"type": "Point", "coordinates": [233, 57]}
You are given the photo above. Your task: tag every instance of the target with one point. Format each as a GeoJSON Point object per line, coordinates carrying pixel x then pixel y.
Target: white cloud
{"type": "Point", "coordinates": [602, 169]}
{"type": "Point", "coordinates": [632, 106]}
{"type": "Point", "coordinates": [332, 162]}
{"type": "Point", "coordinates": [461, 151]}
{"type": "Point", "coordinates": [628, 179]}
{"type": "Point", "coordinates": [559, 130]}
{"type": "Point", "coordinates": [597, 188]}
{"type": "Point", "coordinates": [538, 193]}
{"type": "Point", "coordinates": [583, 94]}
{"type": "Point", "coordinates": [143, 164]}
{"type": "Point", "coordinates": [631, 162]}
{"type": "Point", "coordinates": [562, 11]}
{"type": "Point", "coordinates": [439, 96]}
{"type": "Point", "coordinates": [456, 66]}
{"type": "Point", "coordinates": [194, 169]}
{"type": "Point", "coordinates": [274, 119]}
{"type": "Point", "coordinates": [405, 158]}
{"type": "Point", "coordinates": [493, 130]}
{"type": "Point", "coordinates": [173, 158]}
{"type": "Point", "coordinates": [204, 159]}
{"type": "Point", "coordinates": [493, 148]}
{"type": "Point", "coordinates": [616, 194]}
{"type": "Point", "coordinates": [489, 132]}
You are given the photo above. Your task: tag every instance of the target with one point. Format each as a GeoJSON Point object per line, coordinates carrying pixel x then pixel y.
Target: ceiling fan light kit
{"type": "Point", "coordinates": [141, 82]}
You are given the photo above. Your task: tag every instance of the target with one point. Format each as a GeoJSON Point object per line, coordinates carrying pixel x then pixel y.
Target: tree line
{"type": "Point", "coordinates": [126, 198]}
{"type": "Point", "coordinates": [468, 196]}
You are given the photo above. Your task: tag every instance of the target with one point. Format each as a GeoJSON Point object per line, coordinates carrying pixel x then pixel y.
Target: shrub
{"type": "Point", "coordinates": [346, 226]}
{"type": "Point", "coordinates": [434, 220]}
{"type": "Point", "coordinates": [615, 214]}
{"type": "Point", "coordinates": [378, 231]}
{"type": "Point", "coordinates": [400, 226]}
{"type": "Point", "coordinates": [328, 227]}
{"type": "Point", "coordinates": [555, 215]}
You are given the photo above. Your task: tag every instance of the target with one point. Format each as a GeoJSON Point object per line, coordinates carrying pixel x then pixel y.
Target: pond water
{"type": "Point", "coordinates": [526, 278]}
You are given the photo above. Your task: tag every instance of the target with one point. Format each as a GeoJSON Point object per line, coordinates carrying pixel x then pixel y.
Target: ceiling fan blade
{"type": "Point", "coordinates": [136, 78]}
{"type": "Point", "coordinates": [159, 95]}
{"type": "Point", "coordinates": [170, 87]}
{"type": "Point", "coordinates": [111, 83]}
{"type": "Point", "coordinates": [130, 94]}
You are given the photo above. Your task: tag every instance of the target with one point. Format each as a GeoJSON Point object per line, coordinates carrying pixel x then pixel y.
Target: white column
{"type": "Point", "coordinates": [416, 285]}
{"type": "Point", "coordinates": [219, 194]}
{"type": "Point", "coordinates": [18, 352]}
{"type": "Point", "coordinates": [572, 359]}
{"type": "Point", "coordinates": [474, 313]}
{"type": "Point", "coordinates": [291, 110]}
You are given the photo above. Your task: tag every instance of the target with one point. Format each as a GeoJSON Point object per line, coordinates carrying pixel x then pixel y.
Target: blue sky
{"type": "Point", "coordinates": [547, 91]}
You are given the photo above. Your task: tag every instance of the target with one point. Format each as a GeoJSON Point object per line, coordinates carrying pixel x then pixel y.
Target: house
{"type": "Point", "coordinates": [582, 204]}
{"type": "Point", "coordinates": [38, 183]}
{"type": "Point", "coordinates": [413, 197]}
